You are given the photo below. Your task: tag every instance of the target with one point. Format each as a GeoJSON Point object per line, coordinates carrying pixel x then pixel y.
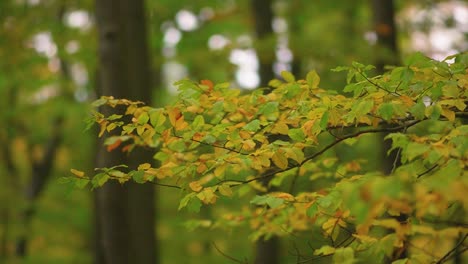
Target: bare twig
{"type": "Point", "coordinates": [451, 252]}
{"type": "Point", "coordinates": [226, 255]}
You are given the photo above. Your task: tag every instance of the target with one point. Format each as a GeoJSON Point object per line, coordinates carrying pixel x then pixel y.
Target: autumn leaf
{"type": "Point", "coordinates": [114, 145]}
{"type": "Point", "coordinates": [196, 186]}
{"type": "Point", "coordinates": [207, 83]}
{"type": "Point", "coordinates": [313, 79]}
{"type": "Point", "coordinates": [280, 160]}
{"type": "Point", "coordinates": [77, 173]}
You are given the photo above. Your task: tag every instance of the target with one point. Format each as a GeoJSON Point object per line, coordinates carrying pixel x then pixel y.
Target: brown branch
{"type": "Point", "coordinates": [226, 255]}
{"type": "Point", "coordinates": [212, 145]}
{"type": "Point", "coordinates": [427, 171]}
{"type": "Point", "coordinates": [272, 173]}
{"type": "Point", "coordinates": [451, 252]}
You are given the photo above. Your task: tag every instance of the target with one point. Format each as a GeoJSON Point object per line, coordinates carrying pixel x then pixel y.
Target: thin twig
{"type": "Point", "coordinates": [449, 254]}
{"type": "Point", "coordinates": [226, 255]}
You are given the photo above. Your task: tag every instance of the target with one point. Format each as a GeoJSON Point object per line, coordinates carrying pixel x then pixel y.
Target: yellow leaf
{"type": "Point", "coordinates": [365, 239]}
{"type": "Point", "coordinates": [284, 196]}
{"type": "Point", "coordinates": [313, 79]}
{"type": "Point", "coordinates": [174, 114]}
{"type": "Point", "coordinates": [180, 123]}
{"type": "Point", "coordinates": [77, 173]}
{"type": "Point", "coordinates": [103, 125]}
{"type": "Point", "coordinates": [207, 196]}
{"type": "Point", "coordinates": [449, 114]}
{"type": "Point", "coordinates": [219, 170]}
{"type": "Point", "coordinates": [195, 186]}
{"type": "Point", "coordinates": [280, 128]}
{"type": "Point", "coordinates": [280, 160]}
{"type": "Point", "coordinates": [248, 145]}
{"type": "Point", "coordinates": [144, 166]}
{"type": "Point", "coordinates": [330, 225]}
{"type": "Point", "coordinates": [225, 190]}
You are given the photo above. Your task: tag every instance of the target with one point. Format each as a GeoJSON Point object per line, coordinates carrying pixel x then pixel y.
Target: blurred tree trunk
{"type": "Point", "coordinates": [387, 54]}
{"type": "Point", "coordinates": [267, 251]}
{"type": "Point", "coordinates": [262, 14]}
{"type": "Point", "coordinates": [383, 12]}
{"type": "Point", "coordinates": [125, 213]}
{"type": "Point", "coordinates": [41, 168]}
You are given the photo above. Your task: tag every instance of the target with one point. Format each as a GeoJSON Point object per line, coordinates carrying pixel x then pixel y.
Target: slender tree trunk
{"type": "Point", "coordinates": [383, 12]}
{"type": "Point", "coordinates": [125, 213]}
{"type": "Point", "coordinates": [387, 54]}
{"type": "Point", "coordinates": [267, 251]}
{"type": "Point", "coordinates": [263, 16]}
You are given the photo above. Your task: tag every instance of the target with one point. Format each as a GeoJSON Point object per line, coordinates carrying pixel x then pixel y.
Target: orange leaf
{"type": "Point", "coordinates": [195, 186]}
{"type": "Point", "coordinates": [114, 145]}
{"type": "Point", "coordinates": [208, 83]}
{"type": "Point", "coordinates": [174, 114]}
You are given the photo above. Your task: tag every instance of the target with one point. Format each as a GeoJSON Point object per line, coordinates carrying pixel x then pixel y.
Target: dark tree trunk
{"type": "Point", "coordinates": [263, 16]}
{"type": "Point", "coordinates": [387, 54]}
{"type": "Point", "coordinates": [125, 213]}
{"type": "Point", "coordinates": [384, 26]}
{"type": "Point", "coordinates": [267, 251]}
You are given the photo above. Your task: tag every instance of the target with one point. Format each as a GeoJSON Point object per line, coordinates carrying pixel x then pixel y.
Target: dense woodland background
{"type": "Point", "coordinates": [56, 57]}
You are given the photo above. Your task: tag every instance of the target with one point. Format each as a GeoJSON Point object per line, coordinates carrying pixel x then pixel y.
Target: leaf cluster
{"type": "Point", "coordinates": [214, 143]}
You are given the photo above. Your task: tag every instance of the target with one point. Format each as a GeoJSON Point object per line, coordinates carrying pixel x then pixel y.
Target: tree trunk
{"type": "Point", "coordinates": [125, 213]}
{"type": "Point", "coordinates": [267, 251]}
{"type": "Point", "coordinates": [384, 26]}
{"type": "Point", "coordinates": [263, 16]}
{"type": "Point", "coordinates": [386, 54]}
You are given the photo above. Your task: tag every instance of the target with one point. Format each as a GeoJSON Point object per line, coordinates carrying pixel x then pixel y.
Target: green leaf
{"type": "Point", "coordinates": [415, 58]}
{"type": "Point", "coordinates": [253, 126]}
{"type": "Point", "coordinates": [99, 102]}
{"type": "Point", "coordinates": [288, 77]}
{"type": "Point", "coordinates": [344, 256]}
{"type": "Point", "coordinates": [99, 179]}
{"type": "Point", "coordinates": [268, 109]}
{"type": "Point", "coordinates": [157, 119]}
{"type": "Point", "coordinates": [143, 118]}
{"type": "Point", "coordinates": [313, 79]}
{"type": "Point", "coordinates": [138, 176]}
{"type": "Point", "coordinates": [259, 200]}
{"type": "Point", "coordinates": [415, 149]}
{"type": "Point", "coordinates": [296, 134]}
{"type": "Point", "coordinates": [340, 69]}
{"type": "Point", "coordinates": [312, 210]}
{"type": "Point", "coordinates": [114, 117]}
{"type": "Point", "coordinates": [292, 90]}
{"type": "Point", "coordinates": [418, 110]}
{"type": "Point", "coordinates": [273, 202]}
{"type": "Point", "coordinates": [194, 205]}
{"type": "Point", "coordinates": [433, 111]}
{"type": "Point", "coordinates": [386, 111]}
{"type": "Point", "coordinates": [198, 123]}
{"type": "Point", "coordinates": [325, 250]}
{"type": "Point", "coordinates": [324, 120]}
{"type": "Point", "coordinates": [186, 199]}
{"type": "Point", "coordinates": [363, 108]}
{"type": "Point", "coordinates": [177, 145]}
